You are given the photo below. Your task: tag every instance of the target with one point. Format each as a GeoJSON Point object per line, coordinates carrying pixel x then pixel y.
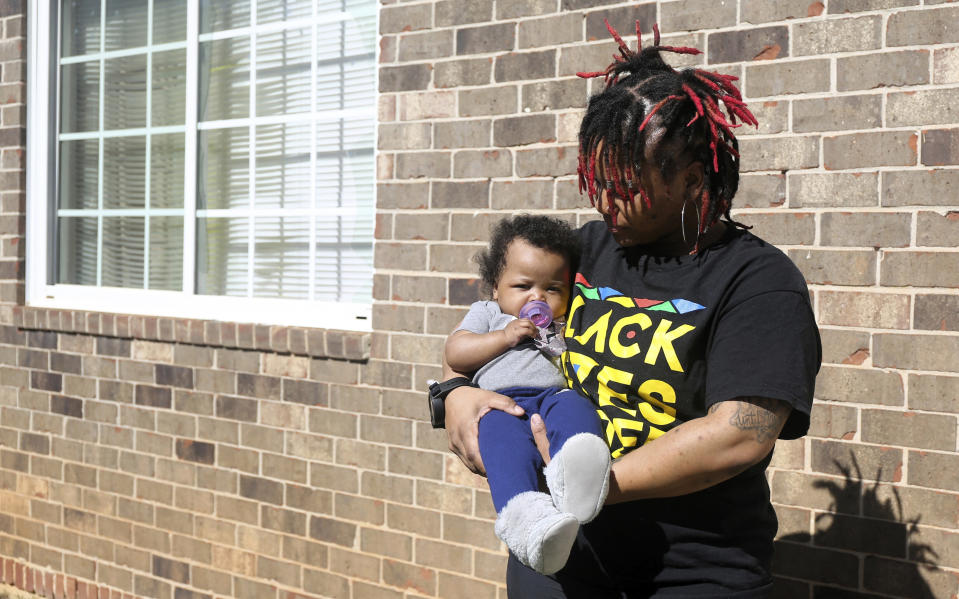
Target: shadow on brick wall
{"type": "Point", "coordinates": [863, 546]}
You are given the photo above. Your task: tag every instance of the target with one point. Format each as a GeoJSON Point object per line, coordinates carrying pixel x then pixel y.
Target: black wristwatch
{"type": "Point", "coordinates": [437, 397]}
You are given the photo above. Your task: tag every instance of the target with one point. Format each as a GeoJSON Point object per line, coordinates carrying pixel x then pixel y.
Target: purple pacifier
{"type": "Point", "coordinates": [537, 311]}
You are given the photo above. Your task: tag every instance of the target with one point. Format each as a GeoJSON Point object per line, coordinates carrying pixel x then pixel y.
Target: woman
{"type": "Point", "coordinates": [694, 339]}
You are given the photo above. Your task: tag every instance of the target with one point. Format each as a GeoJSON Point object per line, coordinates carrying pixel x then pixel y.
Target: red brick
{"type": "Point", "coordinates": [876, 310]}
{"type": "Point", "coordinates": [935, 229]}
{"type": "Point", "coordinates": [859, 150]}
{"type": "Point", "coordinates": [860, 385]}
{"type": "Point", "coordinates": [930, 187]}
{"type": "Point", "coordinates": [919, 269]}
{"type": "Point", "coordinates": [748, 44]}
{"type": "Point", "coordinates": [792, 77]}
{"type": "Point", "coordinates": [940, 147]}
{"type": "Point", "coordinates": [909, 429]}
{"type": "Point", "coordinates": [888, 69]}
{"type": "Point", "coordinates": [933, 392]}
{"type": "Point", "coordinates": [691, 14]}
{"type": "Point", "coordinates": [920, 27]}
{"type": "Point", "coordinates": [836, 267]}
{"type": "Point", "coordinates": [916, 352]}
{"type": "Point", "coordinates": [834, 114]}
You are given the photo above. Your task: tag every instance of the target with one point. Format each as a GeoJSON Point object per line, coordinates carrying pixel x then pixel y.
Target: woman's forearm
{"type": "Point", "coordinates": [700, 453]}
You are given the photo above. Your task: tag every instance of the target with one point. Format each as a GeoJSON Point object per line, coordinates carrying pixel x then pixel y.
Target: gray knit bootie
{"type": "Point", "coordinates": [578, 476]}
{"type": "Point", "coordinates": [536, 532]}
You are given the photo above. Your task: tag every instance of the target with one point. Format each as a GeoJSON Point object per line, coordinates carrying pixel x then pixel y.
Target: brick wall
{"type": "Point", "coordinates": [184, 459]}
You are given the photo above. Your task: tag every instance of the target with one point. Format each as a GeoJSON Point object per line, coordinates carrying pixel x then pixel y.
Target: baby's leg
{"type": "Point", "coordinates": [532, 527]}
{"type": "Point", "coordinates": [578, 474]}
{"type": "Point", "coordinates": [509, 455]}
{"type": "Point", "coordinates": [567, 413]}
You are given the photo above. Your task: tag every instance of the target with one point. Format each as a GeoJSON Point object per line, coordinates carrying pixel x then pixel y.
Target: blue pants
{"type": "Point", "coordinates": [506, 443]}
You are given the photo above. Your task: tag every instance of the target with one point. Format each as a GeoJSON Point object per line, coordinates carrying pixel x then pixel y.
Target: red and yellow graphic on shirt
{"type": "Point", "coordinates": [630, 335]}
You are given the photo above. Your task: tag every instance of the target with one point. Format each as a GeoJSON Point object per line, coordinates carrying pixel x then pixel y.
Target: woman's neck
{"type": "Point", "coordinates": [674, 245]}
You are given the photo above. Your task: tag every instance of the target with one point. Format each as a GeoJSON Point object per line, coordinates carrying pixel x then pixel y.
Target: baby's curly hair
{"type": "Point", "coordinates": [544, 232]}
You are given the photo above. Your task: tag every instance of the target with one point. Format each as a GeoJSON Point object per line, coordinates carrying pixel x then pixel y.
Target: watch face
{"type": "Point", "coordinates": [437, 411]}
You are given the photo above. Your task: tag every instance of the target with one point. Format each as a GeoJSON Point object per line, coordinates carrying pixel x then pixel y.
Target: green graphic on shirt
{"type": "Point", "coordinates": [678, 305]}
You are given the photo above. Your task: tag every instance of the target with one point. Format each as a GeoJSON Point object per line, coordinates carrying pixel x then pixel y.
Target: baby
{"type": "Point", "coordinates": [531, 258]}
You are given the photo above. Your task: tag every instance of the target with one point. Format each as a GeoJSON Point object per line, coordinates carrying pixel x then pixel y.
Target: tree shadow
{"type": "Point", "coordinates": [863, 546]}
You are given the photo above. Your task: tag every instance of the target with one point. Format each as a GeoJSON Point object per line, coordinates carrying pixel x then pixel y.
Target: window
{"type": "Point", "coordinates": [204, 159]}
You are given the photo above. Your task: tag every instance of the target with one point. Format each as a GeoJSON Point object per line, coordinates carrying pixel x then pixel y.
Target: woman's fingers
{"type": "Point", "coordinates": [462, 427]}
{"type": "Point", "coordinates": [503, 404]}
{"type": "Point", "coordinates": [463, 414]}
{"type": "Point", "coordinates": [539, 436]}
{"type": "Point", "coordinates": [466, 449]}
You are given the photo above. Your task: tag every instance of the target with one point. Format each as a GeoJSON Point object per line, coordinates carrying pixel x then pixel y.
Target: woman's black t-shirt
{"type": "Point", "coordinates": [654, 342]}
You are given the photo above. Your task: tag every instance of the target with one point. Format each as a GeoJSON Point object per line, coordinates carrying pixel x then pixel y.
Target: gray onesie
{"type": "Point", "coordinates": [522, 366]}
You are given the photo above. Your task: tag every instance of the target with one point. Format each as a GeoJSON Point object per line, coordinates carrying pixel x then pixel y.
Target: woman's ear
{"type": "Point", "coordinates": [694, 178]}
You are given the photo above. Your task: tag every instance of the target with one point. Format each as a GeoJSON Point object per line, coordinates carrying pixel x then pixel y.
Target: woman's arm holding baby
{"type": "Point", "coordinates": [464, 408]}
{"type": "Point", "coordinates": [466, 351]}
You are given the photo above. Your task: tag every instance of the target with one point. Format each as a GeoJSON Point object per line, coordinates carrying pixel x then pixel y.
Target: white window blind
{"type": "Point", "coordinates": [213, 159]}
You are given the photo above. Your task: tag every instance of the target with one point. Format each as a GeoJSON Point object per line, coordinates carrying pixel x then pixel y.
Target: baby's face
{"type": "Point", "coordinates": [532, 273]}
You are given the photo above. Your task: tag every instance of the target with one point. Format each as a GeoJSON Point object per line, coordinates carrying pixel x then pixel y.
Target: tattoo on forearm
{"type": "Point", "coordinates": [759, 414]}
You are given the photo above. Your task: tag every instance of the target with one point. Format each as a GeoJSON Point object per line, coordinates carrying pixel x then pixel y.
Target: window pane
{"type": "Point", "coordinates": [283, 72]}
{"type": "Point", "coordinates": [224, 168]}
{"type": "Point", "coordinates": [282, 10]}
{"type": "Point", "coordinates": [166, 171]}
{"type": "Point", "coordinates": [222, 250]}
{"type": "Point", "coordinates": [220, 15]}
{"type": "Point", "coordinates": [126, 24]}
{"type": "Point", "coordinates": [81, 27]}
{"type": "Point", "coordinates": [166, 253]}
{"type": "Point", "coordinates": [125, 86]}
{"type": "Point", "coordinates": [325, 6]}
{"type": "Point", "coordinates": [283, 166]}
{"type": "Point", "coordinates": [225, 79]}
{"type": "Point", "coordinates": [80, 104]}
{"type": "Point", "coordinates": [77, 239]}
{"type": "Point", "coordinates": [360, 34]}
{"type": "Point", "coordinates": [79, 162]}
{"type": "Point", "coordinates": [344, 163]}
{"type": "Point", "coordinates": [281, 258]}
{"type": "Point", "coordinates": [345, 66]}
{"type": "Point", "coordinates": [169, 21]}
{"type": "Point", "coordinates": [236, 253]}
{"type": "Point", "coordinates": [124, 172]}
{"type": "Point", "coordinates": [344, 258]}
{"type": "Point", "coordinates": [123, 244]}
{"type": "Point", "coordinates": [169, 88]}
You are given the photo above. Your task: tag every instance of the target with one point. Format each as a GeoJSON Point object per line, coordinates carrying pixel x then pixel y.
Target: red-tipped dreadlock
{"type": "Point", "coordinates": [690, 104]}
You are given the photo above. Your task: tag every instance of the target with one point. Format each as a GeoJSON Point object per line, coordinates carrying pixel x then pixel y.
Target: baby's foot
{"type": "Point", "coordinates": [578, 476]}
{"type": "Point", "coordinates": [537, 533]}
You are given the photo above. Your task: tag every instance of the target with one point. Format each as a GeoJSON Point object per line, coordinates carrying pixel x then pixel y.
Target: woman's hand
{"type": "Point", "coordinates": [538, 427]}
{"type": "Point", "coordinates": [464, 408]}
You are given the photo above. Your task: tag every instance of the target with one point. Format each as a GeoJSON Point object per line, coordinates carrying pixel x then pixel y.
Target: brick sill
{"type": "Point", "coordinates": [317, 343]}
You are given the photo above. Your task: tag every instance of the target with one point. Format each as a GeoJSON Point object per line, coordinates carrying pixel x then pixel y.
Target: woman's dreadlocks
{"type": "Point", "coordinates": [639, 85]}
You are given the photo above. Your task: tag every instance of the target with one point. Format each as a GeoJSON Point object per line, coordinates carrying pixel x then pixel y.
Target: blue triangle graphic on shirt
{"type": "Point", "coordinates": [605, 292]}
{"type": "Point", "coordinates": [576, 368]}
{"type": "Point", "coordinates": [684, 306]}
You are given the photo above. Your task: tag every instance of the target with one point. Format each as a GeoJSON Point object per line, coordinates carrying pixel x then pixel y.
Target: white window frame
{"type": "Point", "coordinates": [41, 182]}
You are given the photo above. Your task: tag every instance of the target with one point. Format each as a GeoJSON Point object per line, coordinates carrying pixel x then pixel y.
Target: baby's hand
{"type": "Point", "coordinates": [519, 330]}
